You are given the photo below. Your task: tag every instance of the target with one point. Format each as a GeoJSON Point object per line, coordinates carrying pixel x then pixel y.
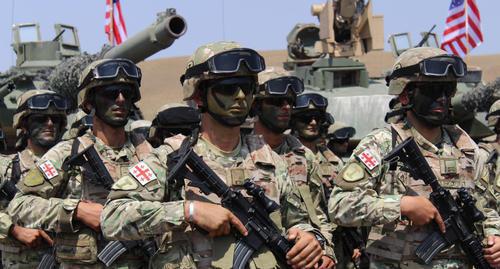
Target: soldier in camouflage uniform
{"type": "Point", "coordinates": [309, 114]}
{"type": "Point", "coordinates": [489, 151]}
{"type": "Point", "coordinates": [273, 108]}
{"type": "Point", "coordinates": [393, 203]}
{"type": "Point", "coordinates": [40, 119]}
{"type": "Point", "coordinates": [139, 206]}
{"type": "Point", "coordinates": [68, 199]}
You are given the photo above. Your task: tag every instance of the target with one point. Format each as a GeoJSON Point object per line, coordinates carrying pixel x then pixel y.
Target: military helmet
{"type": "Point", "coordinates": [414, 59]}
{"type": "Point", "coordinates": [278, 81]}
{"type": "Point", "coordinates": [493, 114]}
{"type": "Point", "coordinates": [310, 101]}
{"type": "Point", "coordinates": [339, 130]}
{"type": "Point", "coordinates": [39, 102]}
{"type": "Point", "coordinates": [203, 64]}
{"type": "Point", "coordinates": [105, 72]}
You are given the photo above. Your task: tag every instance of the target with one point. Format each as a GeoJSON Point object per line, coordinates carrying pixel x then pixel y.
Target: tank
{"type": "Point", "coordinates": [57, 63]}
{"type": "Point", "coordinates": [323, 56]}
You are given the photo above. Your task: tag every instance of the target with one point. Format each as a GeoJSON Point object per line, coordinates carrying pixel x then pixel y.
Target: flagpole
{"type": "Point", "coordinates": [466, 30]}
{"type": "Point", "coordinates": [112, 24]}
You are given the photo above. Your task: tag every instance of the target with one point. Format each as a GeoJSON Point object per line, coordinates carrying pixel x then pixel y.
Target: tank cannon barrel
{"type": "Point", "coordinates": [160, 35]}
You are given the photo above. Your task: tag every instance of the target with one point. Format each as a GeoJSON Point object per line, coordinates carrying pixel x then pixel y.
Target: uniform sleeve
{"type": "Point", "coordinates": [5, 219]}
{"type": "Point", "coordinates": [487, 188]}
{"type": "Point", "coordinates": [355, 200]}
{"type": "Point", "coordinates": [326, 227]}
{"type": "Point", "coordinates": [135, 211]}
{"type": "Point", "coordinates": [37, 204]}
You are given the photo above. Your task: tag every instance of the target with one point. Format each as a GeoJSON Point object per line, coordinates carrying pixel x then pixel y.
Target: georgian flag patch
{"type": "Point", "coordinates": [142, 173]}
{"type": "Point", "coordinates": [368, 159]}
{"type": "Point", "coordinates": [48, 169]}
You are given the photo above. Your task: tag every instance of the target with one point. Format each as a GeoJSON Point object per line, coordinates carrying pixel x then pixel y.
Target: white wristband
{"type": "Point", "coordinates": [191, 212]}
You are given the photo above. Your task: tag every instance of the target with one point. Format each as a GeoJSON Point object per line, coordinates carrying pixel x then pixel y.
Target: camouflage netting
{"type": "Point", "coordinates": [64, 78]}
{"type": "Point", "coordinates": [482, 97]}
{"type": "Point", "coordinates": [14, 72]}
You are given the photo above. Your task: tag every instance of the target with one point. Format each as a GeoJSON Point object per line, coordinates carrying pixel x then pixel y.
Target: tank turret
{"type": "Point", "coordinates": [56, 63]}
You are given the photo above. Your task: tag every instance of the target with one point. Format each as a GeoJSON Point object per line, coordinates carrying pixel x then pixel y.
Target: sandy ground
{"type": "Point", "coordinates": [160, 84]}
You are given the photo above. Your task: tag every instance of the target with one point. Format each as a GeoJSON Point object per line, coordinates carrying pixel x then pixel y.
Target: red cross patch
{"type": "Point", "coordinates": [142, 173]}
{"type": "Point", "coordinates": [368, 159]}
{"type": "Point", "coordinates": [48, 169]}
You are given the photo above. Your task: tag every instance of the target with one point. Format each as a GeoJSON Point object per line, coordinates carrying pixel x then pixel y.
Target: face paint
{"type": "Point", "coordinates": [229, 100]}
{"type": "Point", "coordinates": [275, 113]}
{"type": "Point", "coordinates": [431, 102]}
{"type": "Point", "coordinates": [113, 104]}
{"type": "Point", "coordinates": [307, 124]}
{"type": "Point", "coordinates": [45, 130]}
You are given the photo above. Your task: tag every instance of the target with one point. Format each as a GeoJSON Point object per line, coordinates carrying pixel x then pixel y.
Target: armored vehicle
{"type": "Point", "coordinates": [323, 57]}
{"type": "Point", "coordinates": [57, 63]}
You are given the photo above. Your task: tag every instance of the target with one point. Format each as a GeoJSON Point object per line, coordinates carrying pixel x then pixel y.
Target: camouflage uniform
{"type": "Point", "coordinates": [15, 254]}
{"type": "Point", "coordinates": [56, 191]}
{"type": "Point", "coordinates": [488, 152]}
{"type": "Point", "coordinates": [301, 161]}
{"type": "Point", "coordinates": [368, 194]}
{"type": "Point", "coordinates": [151, 209]}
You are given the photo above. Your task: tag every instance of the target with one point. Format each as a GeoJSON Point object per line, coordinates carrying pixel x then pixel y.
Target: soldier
{"type": "Point", "coordinates": [221, 78]}
{"type": "Point", "coordinates": [172, 119]}
{"type": "Point", "coordinates": [67, 198]}
{"type": "Point", "coordinates": [273, 107]}
{"type": "Point", "coordinates": [80, 122]}
{"type": "Point", "coordinates": [391, 202]}
{"type": "Point", "coordinates": [40, 118]}
{"type": "Point", "coordinates": [309, 114]}
{"type": "Point", "coordinates": [489, 150]}
{"type": "Point", "coordinates": [338, 137]}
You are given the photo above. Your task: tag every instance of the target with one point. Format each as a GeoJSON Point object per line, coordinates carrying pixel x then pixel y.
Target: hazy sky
{"type": "Point", "coordinates": [258, 24]}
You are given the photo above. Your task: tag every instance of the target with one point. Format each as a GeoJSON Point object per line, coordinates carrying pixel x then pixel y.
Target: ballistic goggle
{"type": "Point", "coordinates": [110, 69]}
{"type": "Point", "coordinates": [438, 66]}
{"type": "Point", "coordinates": [43, 101]}
{"type": "Point", "coordinates": [280, 86]}
{"type": "Point", "coordinates": [304, 100]}
{"type": "Point", "coordinates": [342, 134]}
{"type": "Point", "coordinates": [228, 62]}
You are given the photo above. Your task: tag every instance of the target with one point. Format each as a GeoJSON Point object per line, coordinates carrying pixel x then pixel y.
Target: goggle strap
{"type": "Point", "coordinates": [195, 70]}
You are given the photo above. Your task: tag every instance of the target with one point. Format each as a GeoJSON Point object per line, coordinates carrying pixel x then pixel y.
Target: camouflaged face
{"type": "Point", "coordinates": [83, 89]}
{"type": "Point", "coordinates": [493, 119]}
{"type": "Point", "coordinates": [22, 100]}
{"type": "Point", "coordinates": [201, 55]}
{"type": "Point", "coordinates": [411, 57]}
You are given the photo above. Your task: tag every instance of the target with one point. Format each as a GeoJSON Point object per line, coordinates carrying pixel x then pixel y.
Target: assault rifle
{"type": "Point", "coordinates": [114, 249]}
{"type": "Point", "coordinates": [185, 163]}
{"type": "Point", "coordinates": [459, 215]}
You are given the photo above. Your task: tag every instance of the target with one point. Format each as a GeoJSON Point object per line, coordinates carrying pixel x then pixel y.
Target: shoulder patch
{"type": "Point", "coordinates": [48, 169]}
{"type": "Point", "coordinates": [33, 178]}
{"type": "Point", "coordinates": [142, 173]}
{"type": "Point", "coordinates": [368, 159]}
{"type": "Point", "coordinates": [125, 184]}
{"type": "Point", "coordinates": [353, 172]}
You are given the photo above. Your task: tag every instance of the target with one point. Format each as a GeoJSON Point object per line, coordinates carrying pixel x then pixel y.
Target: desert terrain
{"type": "Point", "coordinates": [161, 85]}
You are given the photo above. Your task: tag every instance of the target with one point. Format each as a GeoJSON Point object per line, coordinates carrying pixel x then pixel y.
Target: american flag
{"type": "Point", "coordinates": [115, 25]}
{"type": "Point", "coordinates": [463, 28]}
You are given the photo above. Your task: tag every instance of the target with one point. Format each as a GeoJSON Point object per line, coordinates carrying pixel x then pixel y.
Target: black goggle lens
{"type": "Point", "coordinates": [308, 117]}
{"type": "Point", "coordinates": [280, 86]}
{"type": "Point", "coordinates": [304, 100]}
{"type": "Point", "coordinates": [111, 69]}
{"type": "Point", "coordinates": [43, 101]}
{"type": "Point", "coordinates": [230, 61]}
